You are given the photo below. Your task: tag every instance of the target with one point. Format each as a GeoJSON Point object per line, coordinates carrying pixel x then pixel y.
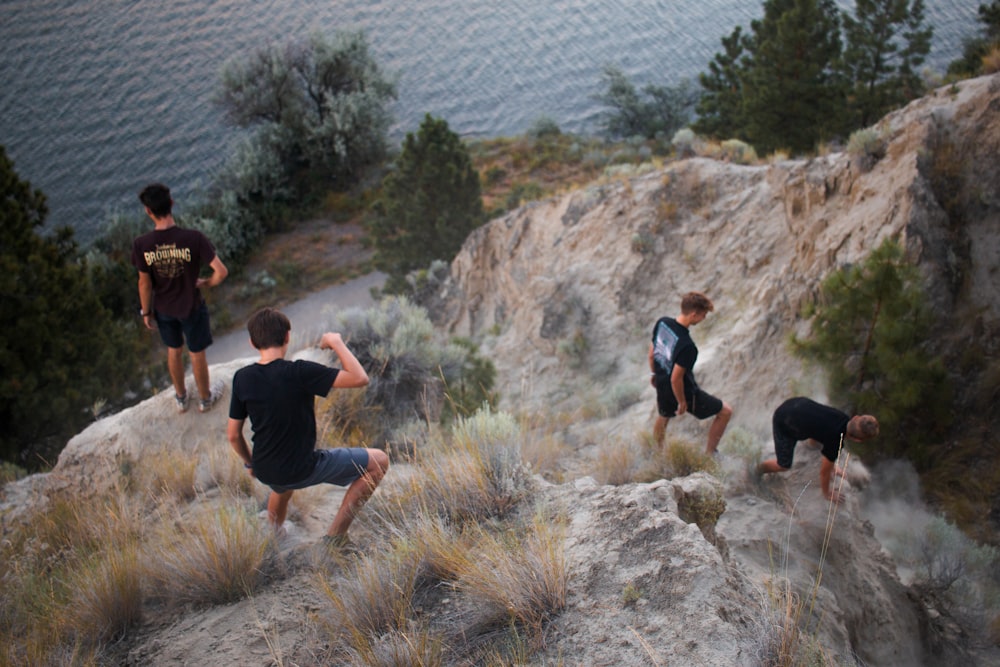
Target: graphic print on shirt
{"type": "Point", "coordinates": [664, 347]}
{"type": "Point", "coordinates": [168, 261]}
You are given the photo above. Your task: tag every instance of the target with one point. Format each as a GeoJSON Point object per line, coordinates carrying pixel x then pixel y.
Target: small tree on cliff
{"type": "Point", "coordinates": [60, 348]}
{"type": "Point", "coordinates": [429, 203]}
{"type": "Point", "coordinates": [871, 333]}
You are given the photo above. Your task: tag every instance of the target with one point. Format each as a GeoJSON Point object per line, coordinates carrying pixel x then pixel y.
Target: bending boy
{"type": "Point", "coordinates": [278, 396]}
{"type": "Point", "coordinates": [801, 419]}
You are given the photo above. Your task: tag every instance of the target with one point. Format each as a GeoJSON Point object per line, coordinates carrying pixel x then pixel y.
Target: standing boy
{"type": "Point", "coordinates": [672, 355]}
{"type": "Point", "coordinates": [278, 396]}
{"type": "Point", "coordinates": [169, 260]}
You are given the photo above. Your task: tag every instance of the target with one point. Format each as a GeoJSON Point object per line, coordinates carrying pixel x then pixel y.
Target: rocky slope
{"type": "Point", "coordinates": [562, 294]}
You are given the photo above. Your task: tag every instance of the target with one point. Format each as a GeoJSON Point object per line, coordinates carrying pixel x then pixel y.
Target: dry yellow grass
{"type": "Point", "coordinates": [217, 555]}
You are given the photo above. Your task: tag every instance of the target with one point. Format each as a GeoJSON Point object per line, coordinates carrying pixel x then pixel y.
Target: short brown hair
{"type": "Point", "coordinates": [696, 302]}
{"type": "Point", "coordinates": [156, 197]}
{"type": "Point", "coordinates": [268, 327]}
{"type": "Point", "coordinates": [862, 427]}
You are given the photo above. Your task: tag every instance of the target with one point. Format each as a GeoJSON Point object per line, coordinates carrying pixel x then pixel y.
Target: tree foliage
{"type": "Point", "coordinates": [61, 349]}
{"type": "Point", "coordinates": [791, 90]}
{"type": "Point", "coordinates": [975, 49]}
{"type": "Point", "coordinates": [429, 203]}
{"type": "Point", "coordinates": [807, 72]}
{"type": "Point", "coordinates": [321, 105]}
{"type": "Point", "coordinates": [659, 111]}
{"type": "Point", "coordinates": [720, 108]}
{"type": "Point", "coordinates": [871, 332]}
{"type": "Point", "coordinates": [885, 45]}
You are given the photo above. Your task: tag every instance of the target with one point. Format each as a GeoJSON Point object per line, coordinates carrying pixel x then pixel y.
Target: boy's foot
{"type": "Point", "coordinates": [218, 388]}
{"type": "Point", "coordinates": [182, 402]}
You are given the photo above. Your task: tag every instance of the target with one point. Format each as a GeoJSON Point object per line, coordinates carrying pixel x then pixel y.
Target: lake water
{"type": "Point", "coordinates": [99, 97]}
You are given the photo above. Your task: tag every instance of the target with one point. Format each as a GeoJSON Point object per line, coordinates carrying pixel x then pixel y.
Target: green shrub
{"type": "Point", "coordinates": [415, 373]}
{"type": "Point", "coordinates": [738, 151]}
{"type": "Point", "coordinates": [871, 331]}
{"type": "Point", "coordinates": [867, 147]}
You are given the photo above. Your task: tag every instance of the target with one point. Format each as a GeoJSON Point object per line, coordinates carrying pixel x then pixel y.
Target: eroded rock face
{"type": "Point", "coordinates": [694, 570]}
{"type": "Point", "coordinates": [591, 271]}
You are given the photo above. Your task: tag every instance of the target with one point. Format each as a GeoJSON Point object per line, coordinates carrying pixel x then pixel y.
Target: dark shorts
{"type": "Point", "coordinates": [784, 446]}
{"type": "Point", "coordinates": [701, 404]}
{"type": "Point", "coordinates": [194, 329]}
{"type": "Point", "coordinates": [341, 466]}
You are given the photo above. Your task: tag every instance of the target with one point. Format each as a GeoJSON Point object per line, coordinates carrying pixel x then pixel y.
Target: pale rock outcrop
{"type": "Point", "coordinates": [688, 571]}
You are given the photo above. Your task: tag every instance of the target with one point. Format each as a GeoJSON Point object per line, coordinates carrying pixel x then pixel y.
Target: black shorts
{"type": "Point", "coordinates": [701, 404]}
{"type": "Point", "coordinates": [194, 329]}
{"type": "Point", "coordinates": [784, 445]}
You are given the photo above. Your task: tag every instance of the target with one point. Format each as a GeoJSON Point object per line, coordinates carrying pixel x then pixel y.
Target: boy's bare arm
{"type": "Point", "coordinates": [352, 374]}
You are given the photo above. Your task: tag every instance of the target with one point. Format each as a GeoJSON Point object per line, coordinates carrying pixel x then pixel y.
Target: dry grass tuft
{"type": "Point", "coordinates": [71, 581]}
{"type": "Point", "coordinates": [169, 473]}
{"type": "Point", "coordinates": [523, 576]}
{"type": "Point", "coordinates": [217, 556]}
{"type": "Point", "coordinates": [681, 459]}
{"type": "Point", "coordinates": [372, 597]}
{"type": "Point", "coordinates": [617, 463]}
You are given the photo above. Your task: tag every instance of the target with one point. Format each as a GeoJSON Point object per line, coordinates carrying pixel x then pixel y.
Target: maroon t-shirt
{"type": "Point", "coordinates": [174, 258]}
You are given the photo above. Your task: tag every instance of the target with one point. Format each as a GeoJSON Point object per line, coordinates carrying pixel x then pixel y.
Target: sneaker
{"type": "Point", "coordinates": [218, 388]}
{"type": "Point", "coordinates": [182, 402]}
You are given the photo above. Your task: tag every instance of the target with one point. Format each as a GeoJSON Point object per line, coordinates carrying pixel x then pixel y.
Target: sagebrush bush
{"type": "Point", "coordinates": [738, 151]}
{"type": "Point", "coordinates": [867, 146]}
{"type": "Point", "coordinates": [493, 439]}
{"type": "Point", "coordinates": [413, 371]}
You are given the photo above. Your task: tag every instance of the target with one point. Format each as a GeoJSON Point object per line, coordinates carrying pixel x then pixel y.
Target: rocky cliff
{"type": "Point", "coordinates": [562, 294]}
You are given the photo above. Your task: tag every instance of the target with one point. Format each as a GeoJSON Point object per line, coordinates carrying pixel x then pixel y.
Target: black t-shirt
{"type": "Point", "coordinates": [803, 418]}
{"type": "Point", "coordinates": [279, 398]}
{"type": "Point", "coordinates": [173, 257]}
{"type": "Point", "coordinates": [672, 344]}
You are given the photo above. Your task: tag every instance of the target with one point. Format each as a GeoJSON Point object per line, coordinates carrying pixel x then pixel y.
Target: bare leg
{"type": "Point", "coordinates": [175, 364]}
{"type": "Point", "coordinates": [660, 430]}
{"type": "Point", "coordinates": [199, 367]}
{"type": "Point", "coordinates": [277, 508]}
{"type": "Point", "coordinates": [771, 465]}
{"type": "Point", "coordinates": [718, 427]}
{"type": "Point", "coordinates": [359, 492]}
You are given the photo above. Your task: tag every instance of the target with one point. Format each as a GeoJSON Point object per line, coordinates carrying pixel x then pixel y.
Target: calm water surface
{"type": "Point", "coordinates": [99, 97]}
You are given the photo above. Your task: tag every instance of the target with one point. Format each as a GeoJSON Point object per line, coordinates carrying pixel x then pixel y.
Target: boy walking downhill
{"type": "Point", "coordinates": [672, 355]}
{"type": "Point", "coordinates": [802, 419]}
{"type": "Point", "coordinates": [278, 396]}
{"type": "Point", "coordinates": [169, 260]}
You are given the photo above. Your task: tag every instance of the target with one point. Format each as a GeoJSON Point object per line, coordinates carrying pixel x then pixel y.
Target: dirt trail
{"type": "Point", "coordinates": [308, 316]}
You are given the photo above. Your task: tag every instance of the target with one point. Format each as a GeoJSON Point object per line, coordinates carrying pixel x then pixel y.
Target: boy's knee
{"type": "Point", "coordinates": [378, 459]}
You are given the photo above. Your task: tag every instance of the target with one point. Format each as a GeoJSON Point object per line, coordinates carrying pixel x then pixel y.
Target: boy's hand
{"type": "Point", "coordinates": [329, 340]}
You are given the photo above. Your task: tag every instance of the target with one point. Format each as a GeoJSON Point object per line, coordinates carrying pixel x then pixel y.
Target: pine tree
{"type": "Point", "coordinates": [720, 106]}
{"type": "Point", "coordinates": [977, 48]}
{"type": "Point", "coordinates": [60, 349]}
{"type": "Point", "coordinates": [871, 333]}
{"type": "Point", "coordinates": [886, 43]}
{"type": "Point", "coordinates": [792, 95]}
{"type": "Point", "coordinates": [429, 203]}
